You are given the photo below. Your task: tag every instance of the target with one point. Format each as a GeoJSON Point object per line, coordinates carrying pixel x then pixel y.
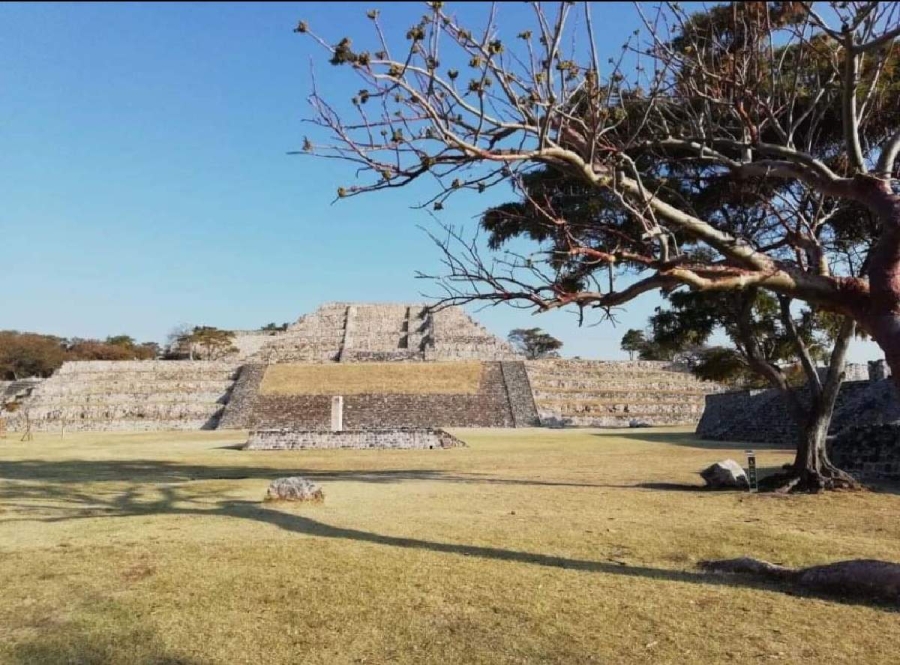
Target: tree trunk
{"type": "Point", "coordinates": [883, 317]}
{"type": "Point", "coordinates": [812, 470]}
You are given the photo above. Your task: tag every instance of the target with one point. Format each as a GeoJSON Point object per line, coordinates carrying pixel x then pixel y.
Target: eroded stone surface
{"type": "Point", "coordinates": [403, 439]}
{"type": "Point", "coordinates": [294, 488]}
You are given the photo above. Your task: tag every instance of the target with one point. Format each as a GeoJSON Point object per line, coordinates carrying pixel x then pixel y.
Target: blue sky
{"type": "Point", "coordinates": [144, 180]}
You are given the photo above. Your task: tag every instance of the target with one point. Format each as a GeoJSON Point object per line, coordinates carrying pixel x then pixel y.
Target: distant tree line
{"type": "Point", "coordinates": [27, 354]}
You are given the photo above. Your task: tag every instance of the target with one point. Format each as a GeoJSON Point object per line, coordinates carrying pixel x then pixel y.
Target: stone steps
{"type": "Point", "coordinates": [627, 394]}
{"type": "Point", "coordinates": [74, 399]}
{"type": "Point", "coordinates": [133, 411]}
{"type": "Point", "coordinates": [105, 387]}
{"type": "Point", "coordinates": [613, 394]}
{"type": "Point", "coordinates": [121, 425]}
{"type": "Point", "coordinates": [117, 396]}
{"type": "Point", "coordinates": [645, 420]}
{"type": "Point", "coordinates": [644, 407]}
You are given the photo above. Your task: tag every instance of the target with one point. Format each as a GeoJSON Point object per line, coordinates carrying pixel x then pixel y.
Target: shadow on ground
{"type": "Point", "coordinates": [51, 481]}
{"type": "Point", "coordinates": [691, 440]}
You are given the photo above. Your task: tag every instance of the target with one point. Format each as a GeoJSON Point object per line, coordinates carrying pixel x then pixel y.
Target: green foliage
{"type": "Point", "coordinates": [213, 342]}
{"type": "Point", "coordinates": [685, 327]}
{"type": "Point", "coordinates": [534, 343]}
{"type": "Point", "coordinates": [632, 342]}
{"type": "Point", "coordinates": [274, 327]}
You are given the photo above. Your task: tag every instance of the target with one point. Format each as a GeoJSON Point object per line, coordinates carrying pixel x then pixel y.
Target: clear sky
{"type": "Point", "coordinates": [144, 181]}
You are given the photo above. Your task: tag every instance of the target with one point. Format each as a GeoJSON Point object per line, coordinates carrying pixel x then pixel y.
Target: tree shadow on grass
{"type": "Point", "coordinates": [162, 472]}
{"type": "Point", "coordinates": [691, 440]}
{"type": "Point", "coordinates": [110, 634]}
{"type": "Point", "coordinates": [179, 500]}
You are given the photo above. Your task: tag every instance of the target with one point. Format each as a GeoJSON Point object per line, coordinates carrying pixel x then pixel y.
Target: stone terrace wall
{"type": "Point", "coordinates": [130, 395]}
{"type": "Point", "coordinates": [489, 407]}
{"type": "Point", "coordinates": [599, 393]}
{"type": "Point", "coordinates": [869, 452]}
{"type": "Point", "coordinates": [454, 335]}
{"type": "Point", "coordinates": [400, 439]}
{"type": "Point", "coordinates": [761, 416]}
{"type": "Point", "coordinates": [316, 337]}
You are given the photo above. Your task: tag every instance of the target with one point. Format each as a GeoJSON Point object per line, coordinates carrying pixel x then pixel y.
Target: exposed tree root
{"type": "Point", "coordinates": [863, 579]}
{"type": "Point", "coordinates": [809, 481]}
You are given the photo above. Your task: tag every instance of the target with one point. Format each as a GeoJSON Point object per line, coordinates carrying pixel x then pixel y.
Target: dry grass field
{"type": "Point", "coordinates": [530, 546]}
{"type": "Point", "coordinates": [458, 378]}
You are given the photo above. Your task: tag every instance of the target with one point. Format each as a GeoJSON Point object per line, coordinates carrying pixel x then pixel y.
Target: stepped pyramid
{"type": "Point", "coordinates": [374, 332]}
{"type": "Point", "coordinates": [597, 393]}
{"type": "Point", "coordinates": [130, 395]}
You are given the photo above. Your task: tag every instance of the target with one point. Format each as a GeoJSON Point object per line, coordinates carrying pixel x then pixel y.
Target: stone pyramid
{"type": "Point", "coordinates": [374, 332]}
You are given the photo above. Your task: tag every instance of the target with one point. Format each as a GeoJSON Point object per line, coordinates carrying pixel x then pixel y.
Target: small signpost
{"type": "Point", "coordinates": [751, 471]}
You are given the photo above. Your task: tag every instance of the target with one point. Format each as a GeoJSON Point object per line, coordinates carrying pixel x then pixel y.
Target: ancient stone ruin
{"type": "Point", "coordinates": [601, 393]}
{"type": "Point", "coordinates": [425, 438]}
{"type": "Point", "coordinates": [395, 366]}
{"type": "Point", "coordinates": [761, 416]}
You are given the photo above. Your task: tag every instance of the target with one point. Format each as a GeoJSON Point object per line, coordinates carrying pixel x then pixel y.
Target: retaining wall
{"type": "Point", "coordinates": [869, 452]}
{"type": "Point", "coordinates": [400, 439]}
{"type": "Point", "coordinates": [762, 416]}
{"type": "Point", "coordinates": [491, 406]}
{"type": "Point", "coordinates": [129, 395]}
{"type": "Point", "coordinates": [596, 393]}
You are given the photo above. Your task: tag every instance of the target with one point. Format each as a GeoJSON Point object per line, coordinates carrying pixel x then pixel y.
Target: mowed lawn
{"type": "Point", "coordinates": [530, 546]}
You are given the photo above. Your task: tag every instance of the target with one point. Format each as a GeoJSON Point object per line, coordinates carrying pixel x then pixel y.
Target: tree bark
{"type": "Point", "coordinates": [883, 316]}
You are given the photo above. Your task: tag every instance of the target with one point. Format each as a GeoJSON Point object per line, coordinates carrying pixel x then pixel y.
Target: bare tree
{"type": "Point", "coordinates": [790, 107]}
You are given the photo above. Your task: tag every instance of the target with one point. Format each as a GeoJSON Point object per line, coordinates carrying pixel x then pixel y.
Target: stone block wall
{"type": "Point", "coordinates": [130, 395]}
{"type": "Point", "coordinates": [491, 406]}
{"type": "Point", "coordinates": [596, 393]}
{"type": "Point", "coordinates": [518, 390]}
{"type": "Point", "coordinates": [399, 439]}
{"type": "Point", "coordinates": [238, 412]}
{"type": "Point", "coordinates": [869, 452]}
{"type": "Point", "coordinates": [761, 416]}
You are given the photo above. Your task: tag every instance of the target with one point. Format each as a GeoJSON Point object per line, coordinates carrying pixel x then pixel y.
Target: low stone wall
{"type": "Point", "coordinates": [761, 416]}
{"type": "Point", "coordinates": [399, 439]}
{"type": "Point", "coordinates": [870, 452]}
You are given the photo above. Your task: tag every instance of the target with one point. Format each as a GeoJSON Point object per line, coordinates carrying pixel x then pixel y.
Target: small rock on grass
{"type": "Point", "coordinates": [294, 488]}
{"type": "Point", "coordinates": [726, 474]}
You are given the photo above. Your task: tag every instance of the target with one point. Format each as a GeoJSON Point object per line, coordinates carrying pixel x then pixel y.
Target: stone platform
{"type": "Point", "coordinates": [425, 438]}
